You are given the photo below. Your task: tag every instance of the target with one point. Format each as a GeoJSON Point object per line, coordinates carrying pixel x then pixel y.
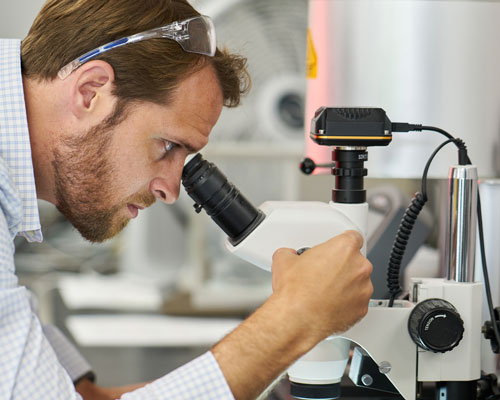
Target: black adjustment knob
{"type": "Point", "coordinates": [435, 325]}
{"type": "Point", "coordinates": [307, 166]}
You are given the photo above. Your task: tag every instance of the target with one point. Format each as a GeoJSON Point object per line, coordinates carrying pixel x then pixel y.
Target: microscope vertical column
{"type": "Point", "coordinates": [460, 245]}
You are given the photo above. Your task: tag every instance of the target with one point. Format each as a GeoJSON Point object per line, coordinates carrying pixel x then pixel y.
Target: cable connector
{"type": "Point", "coordinates": [463, 158]}
{"type": "Point", "coordinates": [405, 127]}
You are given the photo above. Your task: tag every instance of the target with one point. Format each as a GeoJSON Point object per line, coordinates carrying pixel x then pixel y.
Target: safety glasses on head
{"type": "Point", "coordinates": [194, 35]}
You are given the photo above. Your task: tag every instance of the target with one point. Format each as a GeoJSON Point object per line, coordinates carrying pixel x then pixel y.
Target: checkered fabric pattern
{"type": "Point", "coordinates": [70, 358]}
{"type": "Point", "coordinates": [29, 366]}
{"type": "Point", "coordinates": [68, 355]}
{"type": "Point", "coordinates": [196, 380]}
{"type": "Point", "coordinates": [15, 149]}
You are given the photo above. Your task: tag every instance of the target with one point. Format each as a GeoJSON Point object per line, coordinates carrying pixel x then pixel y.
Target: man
{"type": "Point", "coordinates": [103, 136]}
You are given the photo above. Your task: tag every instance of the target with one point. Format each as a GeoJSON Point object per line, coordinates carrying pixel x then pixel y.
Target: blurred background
{"type": "Point", "coordinates": [166, 289]}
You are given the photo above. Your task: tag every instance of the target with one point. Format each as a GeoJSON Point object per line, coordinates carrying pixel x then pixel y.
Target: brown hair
{"type": "Point", "coordinates": [149, 70]}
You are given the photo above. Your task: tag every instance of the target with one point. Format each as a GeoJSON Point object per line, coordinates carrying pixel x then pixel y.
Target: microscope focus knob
{"type": "Point", "coordinates": [435, 325]}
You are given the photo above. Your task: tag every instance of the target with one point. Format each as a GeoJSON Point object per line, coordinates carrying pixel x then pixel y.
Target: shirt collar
{"type": "Point", "coordinates": [15, 146]}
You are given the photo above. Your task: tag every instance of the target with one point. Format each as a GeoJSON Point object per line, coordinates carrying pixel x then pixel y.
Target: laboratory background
{"type": "Point", "coordinates": [166, 289]}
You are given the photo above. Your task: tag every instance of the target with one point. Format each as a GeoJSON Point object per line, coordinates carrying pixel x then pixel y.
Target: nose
{"type": "Point", "coordinates": [164, 190]}
{"type": "Point", "coordinates": [166, 185]}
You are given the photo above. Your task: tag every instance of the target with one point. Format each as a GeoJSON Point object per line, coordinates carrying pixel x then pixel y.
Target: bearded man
{"type": "Point", "coordinates": [99, 107]}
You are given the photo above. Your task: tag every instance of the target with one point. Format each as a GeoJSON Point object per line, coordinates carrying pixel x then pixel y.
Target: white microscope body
{"type": "Point", "coordinates": [383, 333]}
{"type": "Point", "coordinates": [432, 337]}
{"type": "Point", "coordinates": [298, 225]}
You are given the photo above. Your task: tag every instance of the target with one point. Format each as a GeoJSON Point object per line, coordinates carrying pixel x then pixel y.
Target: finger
{"type": "Point", "coordinates": [282, 259]}
{"type": "Point", "coordinates": [283, 252]}
{"type": "Point", "coordinates": [368, 267]}
{"type": "Point", "coordinates": [356, 236]}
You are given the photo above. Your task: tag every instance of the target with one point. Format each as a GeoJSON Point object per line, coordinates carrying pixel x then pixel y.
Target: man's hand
{"type": "Point", "coordinates": [323, 291]}
{"type": "Point", "coordinates": [328, 287]}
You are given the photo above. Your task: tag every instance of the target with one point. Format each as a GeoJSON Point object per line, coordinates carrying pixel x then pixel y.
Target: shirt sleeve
{"type": "Point", "coordinates": [28, 366]}
{"type": "Point", "coordinates": [68, 355]}
{"type": "Point", "coordinates": [200, 379]}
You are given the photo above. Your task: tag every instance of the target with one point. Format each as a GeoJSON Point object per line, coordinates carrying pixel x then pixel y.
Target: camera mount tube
{"type": "Point", "coordinates": [349, 173]}
{"type": "Point", "coordinates": [460, 239]}
{"type": "Point", "coordinates": [222, 201]}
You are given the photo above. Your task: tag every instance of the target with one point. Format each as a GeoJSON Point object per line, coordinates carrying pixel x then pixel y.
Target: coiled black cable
{"type": "Point", "coordinates": [408, 221]}
{"type": "Point", "coordinates": [400, 243]}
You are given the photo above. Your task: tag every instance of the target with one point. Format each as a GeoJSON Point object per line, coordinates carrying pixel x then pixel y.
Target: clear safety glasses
{"type": "Point", "coordinates": [194, 35]}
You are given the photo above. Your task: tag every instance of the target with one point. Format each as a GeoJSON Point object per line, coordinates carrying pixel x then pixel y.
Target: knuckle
{"type": "Point", "coordinates": [351, 240]}
{"type": "Point", "coordinates": [365, 310]}
{"type": "Point", "coordinates": [355, 238]}
{"type": "Point", "coordinates": [368, 267]}
{"type": "Point", "coordinates": [348, 243]}
{"type": "Point", "coordinates": [280, 255]}
{"type": "Point", "coordinates": [370, 290]}
{"type": "Point", "coordinates": [364, 268]}
{"type": "Point", "coordinates": [277, 254]}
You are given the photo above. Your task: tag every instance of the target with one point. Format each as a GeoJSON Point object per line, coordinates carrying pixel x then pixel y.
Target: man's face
{"type": "Point", "coordinates": [108, 173]}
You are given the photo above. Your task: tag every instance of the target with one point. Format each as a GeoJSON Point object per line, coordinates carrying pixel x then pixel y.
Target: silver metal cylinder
{"type": "Point", "coordinates": [460, 242]}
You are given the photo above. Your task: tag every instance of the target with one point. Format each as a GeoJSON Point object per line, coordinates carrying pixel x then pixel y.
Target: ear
{"type": "Point", "coordinates": [91, 91]}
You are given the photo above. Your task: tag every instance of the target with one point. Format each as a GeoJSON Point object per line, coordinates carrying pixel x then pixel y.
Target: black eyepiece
{"type": "Point", "coordinates": [222, 201]}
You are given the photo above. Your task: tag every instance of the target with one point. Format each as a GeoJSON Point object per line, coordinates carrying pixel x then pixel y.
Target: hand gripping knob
{"type": "Point", "coordinates": [435, 325]}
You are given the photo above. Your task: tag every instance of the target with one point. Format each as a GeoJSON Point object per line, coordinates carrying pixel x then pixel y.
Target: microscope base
{"type": "Point", "coordinates": [383, 334]}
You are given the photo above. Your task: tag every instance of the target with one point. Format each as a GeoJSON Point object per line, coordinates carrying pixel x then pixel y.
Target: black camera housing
{"type": "Point", "coordinates": [358, 127]}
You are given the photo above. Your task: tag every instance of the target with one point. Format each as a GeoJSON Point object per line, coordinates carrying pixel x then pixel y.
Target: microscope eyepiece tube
{"type": "Point", "coordinates": [222, 201]}
{"type": "Point", "coordinates": [460, 240]}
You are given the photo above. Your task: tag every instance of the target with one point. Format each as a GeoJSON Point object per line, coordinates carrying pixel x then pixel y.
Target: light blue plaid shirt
{"type": "Point", "coordinates": [29, 367]}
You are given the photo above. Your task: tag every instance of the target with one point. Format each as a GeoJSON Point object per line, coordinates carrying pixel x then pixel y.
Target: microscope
{"type": "Point", "coordinates": [433, 336]}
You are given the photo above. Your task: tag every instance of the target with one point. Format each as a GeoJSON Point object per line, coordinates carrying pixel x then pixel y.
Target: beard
{"type": "Point", "coordinates": [84, 183]}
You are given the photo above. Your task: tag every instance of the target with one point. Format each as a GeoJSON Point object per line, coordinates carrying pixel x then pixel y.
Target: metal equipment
{"type": "Point", "coordinates": [434, 336]}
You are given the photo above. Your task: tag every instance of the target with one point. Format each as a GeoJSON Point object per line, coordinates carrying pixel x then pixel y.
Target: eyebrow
{"type": "Point", "coordinates": [179, 141]}
{"type": "Point", "coordinates": [189, 147]}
